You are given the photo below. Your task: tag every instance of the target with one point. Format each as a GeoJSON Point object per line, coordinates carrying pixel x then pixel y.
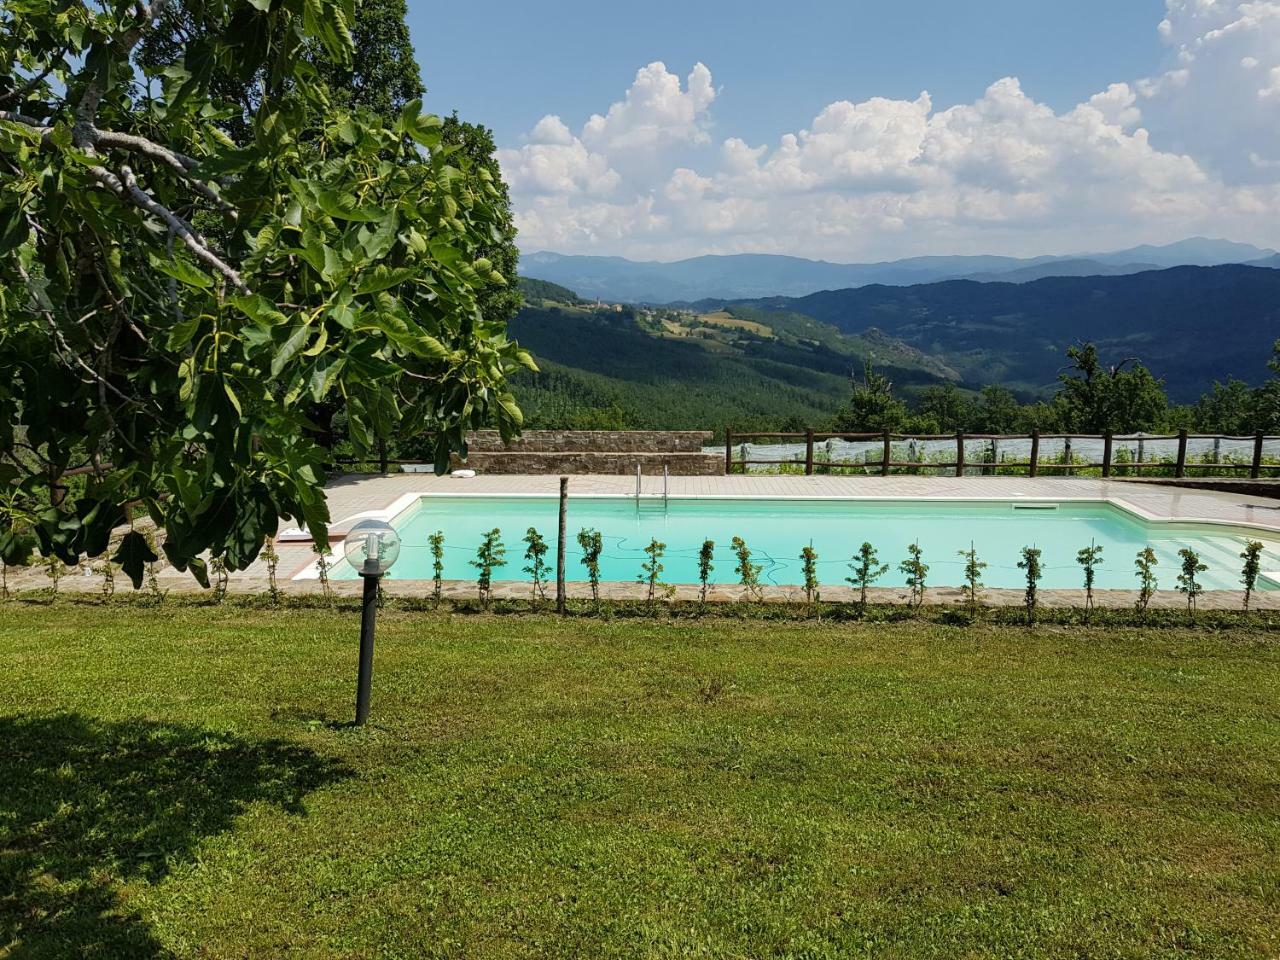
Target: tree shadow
{"type": "Point", "coordinates": [87, 805]}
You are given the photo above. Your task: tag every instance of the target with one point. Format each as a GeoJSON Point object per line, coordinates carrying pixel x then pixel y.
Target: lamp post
{"type": "Point", "coordinates": [371, 547]}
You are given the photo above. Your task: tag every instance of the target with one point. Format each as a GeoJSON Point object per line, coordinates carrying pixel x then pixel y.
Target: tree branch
{"type": "Point", "coordinates": [15, 96]}
{"type": "Point", "coordinates": [126, 187]}
{"type": "Point", "coordinates": [178, 161]}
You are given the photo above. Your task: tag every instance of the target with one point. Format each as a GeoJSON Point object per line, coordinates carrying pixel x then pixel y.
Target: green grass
{"type": "Point", "coordinates": [178, 780]}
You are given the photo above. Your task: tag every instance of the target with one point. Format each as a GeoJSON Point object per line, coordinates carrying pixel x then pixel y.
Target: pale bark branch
{"type": "Point", "coordinates": [126, 187]}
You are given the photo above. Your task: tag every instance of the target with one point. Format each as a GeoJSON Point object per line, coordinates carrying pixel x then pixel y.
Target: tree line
{"type": "Point", "coordinates": [1092, 397]}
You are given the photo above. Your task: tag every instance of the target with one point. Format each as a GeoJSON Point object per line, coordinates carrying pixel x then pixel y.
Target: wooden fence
{"type": "Point", "coordinates": [1033, 463]}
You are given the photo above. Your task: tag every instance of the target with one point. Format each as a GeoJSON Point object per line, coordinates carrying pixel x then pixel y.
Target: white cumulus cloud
{"type": "Point", "coordinates": [1194, 148]}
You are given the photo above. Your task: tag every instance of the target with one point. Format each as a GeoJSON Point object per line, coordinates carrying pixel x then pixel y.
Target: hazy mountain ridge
{"type": "Point", "coordinates": [753, 276]}
{"type": "Point", "coordinates": [1190, 325]}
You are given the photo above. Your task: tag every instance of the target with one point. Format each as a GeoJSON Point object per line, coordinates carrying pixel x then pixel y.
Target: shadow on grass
{"type": "Point", "coordinates": [85, 806]}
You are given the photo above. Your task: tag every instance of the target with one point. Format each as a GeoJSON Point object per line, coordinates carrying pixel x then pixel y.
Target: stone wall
{"type": "Point", "coordinates": [594, 451]}
{"type": "Point", "coordinates": [608, 441]}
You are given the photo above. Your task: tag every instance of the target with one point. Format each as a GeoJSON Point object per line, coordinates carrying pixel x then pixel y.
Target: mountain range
{"type": "Point", "coordinates": [1189, 325]}
{"type": "Point", "coordinates": [748, 276]}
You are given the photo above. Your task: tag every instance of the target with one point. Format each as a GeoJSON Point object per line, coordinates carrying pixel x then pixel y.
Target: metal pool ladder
{"type": "Point", "coordinates": [666, 483]}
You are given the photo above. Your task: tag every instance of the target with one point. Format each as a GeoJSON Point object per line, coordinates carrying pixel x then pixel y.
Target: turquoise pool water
{"type": "Point", "coordinates": [776, 530]}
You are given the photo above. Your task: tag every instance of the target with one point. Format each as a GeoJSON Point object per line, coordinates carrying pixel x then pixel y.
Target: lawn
{"type": "Point", "coordinates": [178, 781]}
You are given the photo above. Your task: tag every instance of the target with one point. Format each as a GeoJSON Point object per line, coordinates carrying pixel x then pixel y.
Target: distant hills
{"type": "Point", "coordinates": [762, 362]}
{"type": "Point", "coordinates": [1189, 325]}
{"type": "Point", "coordinates": [749, 276]}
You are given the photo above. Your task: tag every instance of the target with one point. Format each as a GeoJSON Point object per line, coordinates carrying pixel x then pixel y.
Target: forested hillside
{"type": "Point", "coordinates": [1189, 325]}
{"type": "Point", "coordinates": [604, 368]}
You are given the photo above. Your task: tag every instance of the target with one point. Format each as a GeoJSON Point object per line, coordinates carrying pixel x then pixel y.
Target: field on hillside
{"type": "Point", "coordinates": [180, 782]}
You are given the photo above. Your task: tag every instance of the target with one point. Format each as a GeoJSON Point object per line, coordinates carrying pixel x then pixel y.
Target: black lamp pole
{"type": "Point", "coordinates": [368, 615]}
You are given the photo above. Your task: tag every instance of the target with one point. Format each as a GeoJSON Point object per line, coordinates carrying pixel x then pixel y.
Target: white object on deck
{"type": "Point", "coordinates": [463, 474]}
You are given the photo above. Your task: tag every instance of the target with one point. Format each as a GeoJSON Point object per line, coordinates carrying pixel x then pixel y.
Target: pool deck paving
{"type": "Point", "coordinates": [355, 496]}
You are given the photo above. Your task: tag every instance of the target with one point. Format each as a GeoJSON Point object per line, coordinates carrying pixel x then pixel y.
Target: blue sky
{"type": "Point", "coordinates": [779, 62]}
{"type": "Point", "coordinates": [870, 130]}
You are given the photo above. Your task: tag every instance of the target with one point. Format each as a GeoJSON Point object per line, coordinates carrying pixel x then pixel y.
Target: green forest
{"type": "Point", "coordinates": [623, 367]}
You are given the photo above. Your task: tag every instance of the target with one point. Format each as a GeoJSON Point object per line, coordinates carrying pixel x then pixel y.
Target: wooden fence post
{"type": "Point", "coordinates": [808, 452]}
{"type": "Point", "coordinates": [888, 454]}
{"type": "Point", "coordinates": [1255, 470]}
{"type": "Point", "coordinates": [1180, 468]}
{"type": "Point", "coordinates": [959, 453]}
{"type": "Point", "coordinates": [560, 546]}
{"type": "Point", "coordinates": [1035, 452]}
{"type": "Point", "coordinates": [728, 451]}
{"type": "Point", "coordinates": [1106, 453]}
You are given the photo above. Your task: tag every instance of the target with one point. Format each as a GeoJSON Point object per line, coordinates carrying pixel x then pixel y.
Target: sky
{"type": "Point", "coordinates": [869, 129]}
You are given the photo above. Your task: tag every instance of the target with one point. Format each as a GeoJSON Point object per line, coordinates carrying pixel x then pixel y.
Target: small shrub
{"type": "Point", "coordinates": [1089, 558]}
{"type": "Point", "coordinates": [705, 555]}
{"type": "Point", "coordinates": [651, 569]}
{"type": "Point", "coordinates": [867, 569]}
{"type": "Point", "coordinates": [1187, 578]}
{"type": "Point", "coordinates": [592, 545]}
{"type": "Point", "coordinates": [1145, 566]}
{"type": "Point", "coordinates": [272, 560]}
{"type": "Point", "coordinates": [1252, 558]}
{"type": "Point", "coordinates": [748, 572]}
{"type": "Point", "coordinates": [323, 565]}
{"type": "Point", "coordinates": [809, 565]}
{"type": "Point", "coordinates": [107, 570]}
{"type": "Point", "coordinates": [55, 570]}
{"type": "Point", "coordinates": [1030, 564]}
{"type": "Point", "coordinates": [436, 540]}
{"type": "Point", "coordinates": [221, 579]}
{"type": "Point", "coordinates": [490, 555]}
{"type": "Point", "coordinates": [535, 556]}
{"type": "Point", "coordinates": [972, 588]}
{"type": "Point", "coordinates": [917, 572]}
{"type": "Point", "coordinates": [156, 595]}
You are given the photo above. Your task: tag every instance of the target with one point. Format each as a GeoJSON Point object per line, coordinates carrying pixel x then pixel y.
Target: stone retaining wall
{"type": "Point", "coordinates": [603, 441]}
{"type": "Point", "coordinates": [594, 451]}
{"type": "Point", "coordinates": [597, 462]}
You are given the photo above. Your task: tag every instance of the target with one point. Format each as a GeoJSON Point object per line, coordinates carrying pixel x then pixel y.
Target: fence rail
{"type": "Point", "coordinates": [1257, 465]}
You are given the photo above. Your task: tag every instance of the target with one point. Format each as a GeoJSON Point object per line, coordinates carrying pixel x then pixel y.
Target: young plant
{"type": "Point", "coordinates": [323, 565]}
{"type": "Point", "coordinates": [748, 572]}
{"type": "Point", "coordinates": [1145, 567]}
{"type": "Point", "coordinates": [592, 545]}
{"type": "Point", "coordinates": [917, 572]}
{"type": "Point", "coordinates": [106, 569]}
{"type": "Point", "coordinates": [55, 570]}
{"type": "Point", "coordinates": [972, 588]}
{"type": "Point", "coordinates": [535, 556]}
{"type": "Point", "coordinates": [651, 569]}
{"type": "Point", "coordinates": [1030, 564]}
{"type": "Point", "coordinates": [272, 560]}
{"type": "Point", "coordinates": [156, 594]}
{"type": "Point", "coordinates": [705, 554]}
{"type": "Point", "coordinates": [436, 540]}
{"type": "Point", "coordinates": [867, 569]}
{"type": "Point", "coordinates": [218, 567]}
{"type": "Point", "coordinates": [809, 566]}
{"type": "Point", "coordinates": [490, 555]}
{"type": "Point", "coordinates": [1089, 558]}
{"type": "Point", "coordinates": [1187, 578]}
{"type": "Point", "coordinates": [4, 581]}
{"type": "Point", "coordinates": [1252, 558]}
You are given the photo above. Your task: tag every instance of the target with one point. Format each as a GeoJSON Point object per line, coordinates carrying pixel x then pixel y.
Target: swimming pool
{"type": "Point", "coordinates": [776, 529]}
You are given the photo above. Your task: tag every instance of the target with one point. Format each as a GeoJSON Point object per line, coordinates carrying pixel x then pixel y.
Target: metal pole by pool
{"type": "Point", "coordinates": [368, 617]}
